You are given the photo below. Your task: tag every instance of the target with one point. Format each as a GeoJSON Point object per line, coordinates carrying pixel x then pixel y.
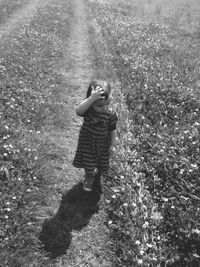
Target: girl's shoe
{"type": "Point", "coordinates": [88, 183]}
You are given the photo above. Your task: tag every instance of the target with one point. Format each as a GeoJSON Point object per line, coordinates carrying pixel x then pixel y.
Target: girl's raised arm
{"type": "Point", "coordinates": [88, 102]}
{"type": "Point", "coordinates": [84, 106]}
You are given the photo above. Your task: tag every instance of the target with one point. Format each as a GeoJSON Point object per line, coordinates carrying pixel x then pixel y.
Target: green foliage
{"type": "Point", "coordinates": [158, 156]}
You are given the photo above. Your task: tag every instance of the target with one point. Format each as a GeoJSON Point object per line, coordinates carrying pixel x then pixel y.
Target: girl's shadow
{"type": "Point", "coordinates": [76, 209]}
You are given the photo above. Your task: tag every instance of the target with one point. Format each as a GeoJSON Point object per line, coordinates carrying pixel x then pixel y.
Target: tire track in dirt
{"type": "Point", "coordinates": [88, 247]}
{"type": "Point", "coordinates": [21, 17]}
{"type": "Point", "coordinates": [88, 244]}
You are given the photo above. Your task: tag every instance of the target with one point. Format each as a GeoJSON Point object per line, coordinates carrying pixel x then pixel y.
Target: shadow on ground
{"type": "Point", "coordinates": [76, 209]}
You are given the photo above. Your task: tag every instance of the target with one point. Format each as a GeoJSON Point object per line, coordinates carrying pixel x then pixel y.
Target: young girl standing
{"type": "Point", "coordinates": [98, 135]}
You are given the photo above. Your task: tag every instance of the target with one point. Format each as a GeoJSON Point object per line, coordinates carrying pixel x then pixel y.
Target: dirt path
{"type": "Point", "coordinates": [74, 223]}
{"type": "Point", "coordinates": [77, 69]}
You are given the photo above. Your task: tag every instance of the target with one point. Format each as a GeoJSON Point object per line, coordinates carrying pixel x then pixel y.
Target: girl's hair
{"type": "Point", "coordinates": [103, 84]}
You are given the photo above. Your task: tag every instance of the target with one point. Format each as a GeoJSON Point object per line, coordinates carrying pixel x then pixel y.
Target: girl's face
{"type": "Point", "coordinates": [101, 106]}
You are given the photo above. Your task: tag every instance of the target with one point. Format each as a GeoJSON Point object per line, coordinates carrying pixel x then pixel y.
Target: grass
{"type": "Point", "coordinates": [154, 198]}
{"type": "Point", "coordinates": [34, 173]}
{"type": "Point", "coordinates": [29, 102]}
{"type": "Point", "coordinates": [8, 7]}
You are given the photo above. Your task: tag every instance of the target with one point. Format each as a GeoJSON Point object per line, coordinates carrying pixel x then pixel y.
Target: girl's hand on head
{"type": "Point", "coordinates": [96, 93]}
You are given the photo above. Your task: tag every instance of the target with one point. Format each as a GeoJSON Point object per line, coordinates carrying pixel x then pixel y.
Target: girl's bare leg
{"type": "Point", "coordinates": [88, 182]}
{"type": "Point", "coordinates": [97, 180]}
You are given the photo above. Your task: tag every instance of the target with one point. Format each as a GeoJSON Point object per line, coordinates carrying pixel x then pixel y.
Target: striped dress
{"type": "Point", "coordinates": [94, 140]}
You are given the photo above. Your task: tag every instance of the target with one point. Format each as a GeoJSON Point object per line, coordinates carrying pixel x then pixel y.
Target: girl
{"type": "Point", "coordinates": [98, 135]}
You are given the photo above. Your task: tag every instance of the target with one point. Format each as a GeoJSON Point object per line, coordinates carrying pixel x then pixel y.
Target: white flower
{"type": "Point", "coordinates": [149, 245]}
{"type": "Point", "coordinates": [137, 242]}
{"type": "Point", "coordinates": [134, 204]}
{"type": "Point", "coordinates": [140, 262]}
{"type": "Point", "coordinates": [141, 252]}
{"type": "Point", "coordinates": [196, 231]}
{"type": "Point", "coordinates": [145, 225]}
{"type": "Point", "coordinates": [194, 166]}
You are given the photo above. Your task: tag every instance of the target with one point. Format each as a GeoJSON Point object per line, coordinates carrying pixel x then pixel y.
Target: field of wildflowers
{"type": "Point", "coordinates": [29, 99]}
{"type": "Point", "coordinates": [7, 7]}
{"type": "Point", "coordinates": [152, 194]}
{"type": "Point", "coordinates": [153, 202]}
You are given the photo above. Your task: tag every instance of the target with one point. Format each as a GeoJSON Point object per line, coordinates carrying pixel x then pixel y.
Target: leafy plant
{"type": "Point", "coordinates": [158, 157]}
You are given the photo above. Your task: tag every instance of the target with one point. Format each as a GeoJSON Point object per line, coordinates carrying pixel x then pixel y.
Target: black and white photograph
{"type": "Point", "coordinates": [99, 133]}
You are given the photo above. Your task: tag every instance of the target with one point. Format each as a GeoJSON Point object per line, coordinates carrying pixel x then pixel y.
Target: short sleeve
{"type": "Point", "coordinates": [85, 114]}
{"type": "Point", "coordinates": [112, 121]}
